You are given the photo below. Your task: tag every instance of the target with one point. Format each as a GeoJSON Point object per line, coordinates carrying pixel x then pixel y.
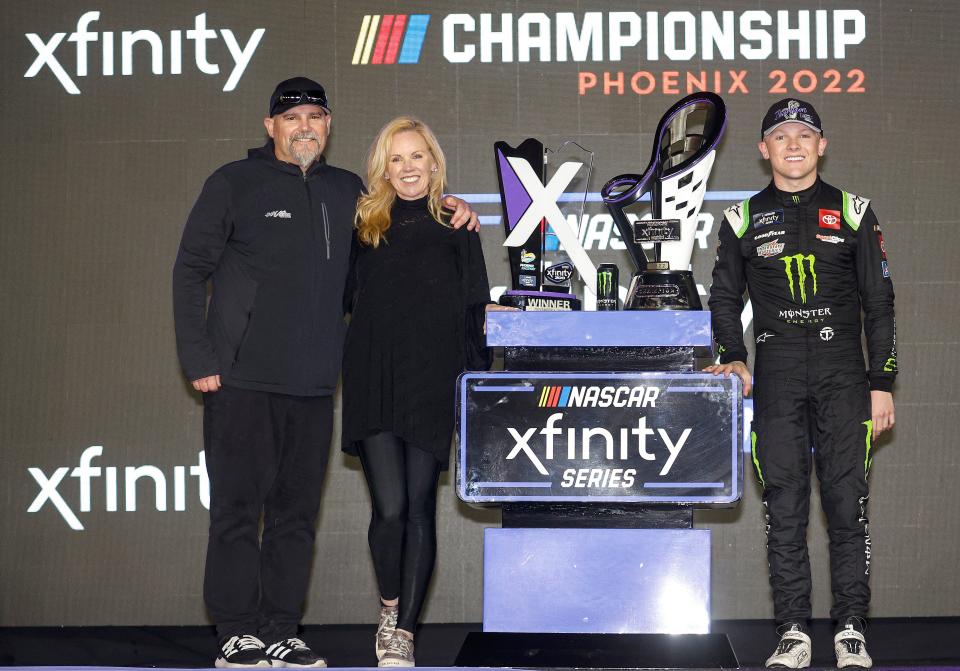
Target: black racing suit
{"type": "Point", "coordinates": [811, 261]}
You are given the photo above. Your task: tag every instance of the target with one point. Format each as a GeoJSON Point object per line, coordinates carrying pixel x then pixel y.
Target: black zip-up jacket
{"type": "Point", "coordinates": [276, 244]}
{"type": "Point", "coordinates": [811, 261]}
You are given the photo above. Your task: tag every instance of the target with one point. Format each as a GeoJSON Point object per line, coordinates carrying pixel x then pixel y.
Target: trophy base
{"type": "Point", "coordinates": [540, 301]}
{"type": "Point", "coordinates": [663, 290]}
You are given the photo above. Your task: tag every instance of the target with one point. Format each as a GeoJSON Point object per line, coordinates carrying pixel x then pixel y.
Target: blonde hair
{"type": "Point", "coordinates": [373, 208]}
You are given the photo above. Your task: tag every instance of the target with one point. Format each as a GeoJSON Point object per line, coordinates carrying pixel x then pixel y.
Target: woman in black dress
{"type": "Point", "coordinates": [418, 293]}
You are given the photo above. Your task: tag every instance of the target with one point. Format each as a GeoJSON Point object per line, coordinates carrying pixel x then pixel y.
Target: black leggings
{"type": "Point", "coordinates": [403, 536]}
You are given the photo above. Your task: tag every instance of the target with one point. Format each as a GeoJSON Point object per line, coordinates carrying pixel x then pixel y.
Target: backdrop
{"type": "Point", "coordinates": [115, 112]}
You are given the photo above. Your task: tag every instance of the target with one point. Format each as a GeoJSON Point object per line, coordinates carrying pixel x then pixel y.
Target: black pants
{"type": "Point", "coordinates": [403, 532]}
{"type": "Point", "coordinates": [816, 398]}
{"type": "Point", "coordinates": [266, 453]}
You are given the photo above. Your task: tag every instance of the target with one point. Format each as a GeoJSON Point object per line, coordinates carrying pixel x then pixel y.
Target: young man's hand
{"type": "Point", "coordinates": [881, 410]}
{"type": "Point", "coordinates": [738, 368]}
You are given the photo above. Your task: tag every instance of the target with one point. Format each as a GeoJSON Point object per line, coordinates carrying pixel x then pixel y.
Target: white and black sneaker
{"type": "Point", "coordinates": [293, 653]}
{"type": "Point", "coordinates": [241, 652]}
{"type": "Point", "coordinates": [851, 648]}
{"type": "Point", "coordinates": [793, 650]}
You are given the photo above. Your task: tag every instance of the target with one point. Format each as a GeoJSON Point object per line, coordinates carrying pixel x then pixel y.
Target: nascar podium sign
{"type": "Point", "coordinates": [599, 437]}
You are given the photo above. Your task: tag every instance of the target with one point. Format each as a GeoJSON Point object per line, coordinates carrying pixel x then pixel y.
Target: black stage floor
{"type": "Point", "coordinates": [893, 643]}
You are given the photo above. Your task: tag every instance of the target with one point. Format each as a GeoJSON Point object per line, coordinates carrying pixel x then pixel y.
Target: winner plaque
{"type": "Point", "coordinates": [676, 181]}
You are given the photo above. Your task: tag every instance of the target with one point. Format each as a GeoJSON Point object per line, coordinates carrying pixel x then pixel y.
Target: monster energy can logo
{"type": "Point", "coordinates": [800, 261]}
{"type": "Point", "coordinates": [605, 283]}
{"type": "Point", "coordinates": [608, 284]}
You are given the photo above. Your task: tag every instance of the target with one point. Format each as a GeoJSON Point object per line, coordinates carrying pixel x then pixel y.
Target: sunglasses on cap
{"type": "Point", "coordinates": [312, 97]}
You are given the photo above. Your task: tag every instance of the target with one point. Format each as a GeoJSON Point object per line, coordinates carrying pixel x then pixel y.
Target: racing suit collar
{"type": "Point", "coordinates": [797, 198]}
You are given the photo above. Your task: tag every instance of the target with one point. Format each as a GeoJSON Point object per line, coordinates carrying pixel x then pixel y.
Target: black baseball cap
{"type": "Point", "coordinates": [790, 110]}
{"type": "Point", "coordinates": [297, 91]}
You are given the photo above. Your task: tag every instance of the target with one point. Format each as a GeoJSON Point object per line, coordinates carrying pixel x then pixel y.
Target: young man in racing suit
{"type": "Point", "coordinates": [812, 257]}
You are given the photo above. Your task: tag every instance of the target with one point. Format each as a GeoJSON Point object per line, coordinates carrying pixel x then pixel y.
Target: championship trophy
{"type": "Point", "coordinates": [530, 202]}
{"type": "Point", "coordinates": [676, 180]}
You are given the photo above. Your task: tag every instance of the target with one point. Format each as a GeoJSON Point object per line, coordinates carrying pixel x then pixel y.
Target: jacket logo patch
{"type": "Point", "coordinates": [766, 218]}
{"type": "Point", "coordinates": [830, 219]}
{"type": "Point", "coordinates": [769, 234]}
{"type": "Point", "coordinates": [858, 203]}
{"type": "Point", "coordinates": [883, 249]}
{"type": "Point", "coordinates": [278, 214]}
{"type": "Point", "coordinates": [832, 239]}
{"type": "Point", "coordinates": [770, 249]}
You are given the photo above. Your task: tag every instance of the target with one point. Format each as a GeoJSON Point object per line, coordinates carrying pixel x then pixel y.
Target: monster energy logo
{"type": "Point", "coordinates": [604, 283]}
{"type": "Point", "coordinates": [801, 261]}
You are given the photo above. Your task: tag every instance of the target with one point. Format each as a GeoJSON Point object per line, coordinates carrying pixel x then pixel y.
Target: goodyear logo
{"type": "Point", "coordinates": [598, 397]}
{"type": "Point", "coordinates": [390, 38]}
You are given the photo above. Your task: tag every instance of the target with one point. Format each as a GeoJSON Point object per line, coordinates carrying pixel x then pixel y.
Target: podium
{"type": "Point", "coordinates": [598, 440]}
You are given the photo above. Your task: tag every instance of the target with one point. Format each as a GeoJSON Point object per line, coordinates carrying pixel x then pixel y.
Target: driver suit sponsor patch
{"type": "Point", "coordinates": [761, 219]}
{"type": "Point", "coordinates": [832, 239]}
{"type": "Point", "coordinates": [770, 249]}
{"type": "Point", "coordinates": [810, 316]}
{"type": "Point", "coordinates": [829, 219]}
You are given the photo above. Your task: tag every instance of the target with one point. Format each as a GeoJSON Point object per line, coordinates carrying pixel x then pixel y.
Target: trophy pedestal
{"type": "Point", "coordinates": [589, 570]}
{"type": "Point", "coordinates": [540, 301]}
{"type": "Point", "coordinates": [663, 290]}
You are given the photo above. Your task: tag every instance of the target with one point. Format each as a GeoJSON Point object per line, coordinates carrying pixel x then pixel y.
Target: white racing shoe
{"type": "Point", "coordinates": [793, 650]}
{"type": "Point", "coordinates": [851, 649]}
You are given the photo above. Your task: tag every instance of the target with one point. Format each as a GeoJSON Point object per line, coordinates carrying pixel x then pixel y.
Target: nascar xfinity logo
{"type": "Point", "coordinates": [598, 397]}
{"type": "Point", "coordinates": [390, 38]}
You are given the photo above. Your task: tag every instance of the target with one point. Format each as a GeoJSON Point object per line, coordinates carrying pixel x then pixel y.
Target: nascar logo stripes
{"type": "Point", "coordinates": [554, 397]}
{"type": "Point", "coordinates": [390, 38]}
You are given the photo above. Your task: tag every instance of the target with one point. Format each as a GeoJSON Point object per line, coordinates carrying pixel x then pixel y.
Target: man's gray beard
{"type": "Point", "coordinates": [305, 153]}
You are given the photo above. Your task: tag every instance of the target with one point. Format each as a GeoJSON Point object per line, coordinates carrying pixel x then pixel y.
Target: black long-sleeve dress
{"type": "Point", "coordinates": [417, 302]}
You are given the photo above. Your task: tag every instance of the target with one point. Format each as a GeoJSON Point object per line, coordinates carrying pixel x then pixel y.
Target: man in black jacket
{"type": "Point", "coordinates": [811, 257]}
{"type": "Point", "coordinates": [273, 233]}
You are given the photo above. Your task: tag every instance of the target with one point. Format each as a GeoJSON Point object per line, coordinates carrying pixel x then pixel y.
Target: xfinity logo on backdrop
{"type": "Point", "coordinates": [85, 473]}
{"type": "Point", "coordinates": [163, 50]}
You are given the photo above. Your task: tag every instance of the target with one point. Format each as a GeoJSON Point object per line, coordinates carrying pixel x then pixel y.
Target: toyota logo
{"type": "Point", "coordinates": [830, 220]}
